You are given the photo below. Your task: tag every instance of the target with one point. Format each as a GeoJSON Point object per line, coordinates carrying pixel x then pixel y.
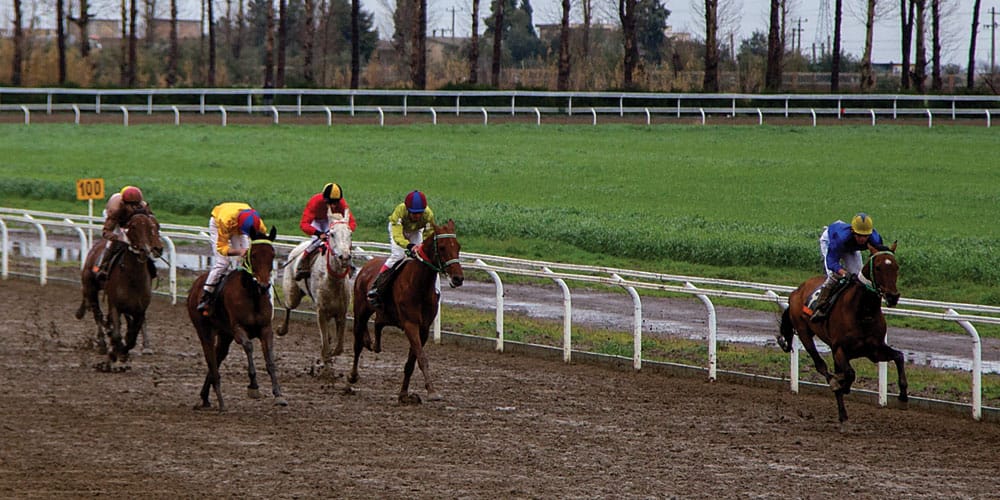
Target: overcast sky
{"type": "Point", "coordinates": [744, 17]}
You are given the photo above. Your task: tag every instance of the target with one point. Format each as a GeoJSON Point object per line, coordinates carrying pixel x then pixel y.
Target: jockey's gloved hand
{"type": "Point", "coordinates": [409, 249]}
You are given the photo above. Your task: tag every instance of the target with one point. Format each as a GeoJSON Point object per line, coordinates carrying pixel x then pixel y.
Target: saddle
{"type": "Point", "coordinates": [386, 286]}
{"type": "Point", "coordinates": [812, 304]}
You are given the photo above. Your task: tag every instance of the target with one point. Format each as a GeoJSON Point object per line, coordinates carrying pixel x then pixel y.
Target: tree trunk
{"type": "Point", "coordinates": [711, 80]}
{"type": "Point", "coordinates": [83, 23]}
{"type": "Point", "coordinates": [123, 63]}
{"type": "Point", "coordinates": [133, 45]}
{"type": "Point", "coordinates": [906, 26]}
{"type": "Point", "coordinates": [936, 83]}
{"type": "Point", "coordinates": [562, 82]}
{"type": "Point", "coordinates": [17, 59]}
{"type": "Point", "coordinates": [308, 40]}
{"type": "Point", "coordinates": [838, 17]}
{"type": "Point", "coordinates": [355, 43]}
{"type": "Point", "coordinates": [269, 47]}
{"type": "Point", "coordinates": [418, 64]}
{"type": "Point", "coordinates": [867, 75]}
{"type": "Point", "coordinates": [279, 77]}
{"type": "Point", "coordinates": [61, 39]}
{"type": "Point", "coordinates": [627, 15]}
{"type": "Point", "coordinates": [970, 75]}
{"type": "Point", "coordinates": [588, 17]}
{"type": "Point", "coordinates": [174, 51]}
{"type": "Point", "coordinates": [497, 41]}
{"type": "Point", "coordinates": [150, 24]}
{"type": "Point", "coordinates": [474, 45]}
{"type": "Point", "coordinates": [772, 76]}
{"type": "Point", "coordinates": [920, 70]}
{"type": "Point", "coordinates": [211, 43]}
{"type": "Point", "coordinates": [240, 23]}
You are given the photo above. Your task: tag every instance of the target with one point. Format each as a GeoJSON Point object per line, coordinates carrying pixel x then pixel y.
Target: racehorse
{"type": "Point", "coordinates": [242, 312]}
{"type": "Point", "coordinates": [328, 286]}
{"type": "Point", "coordinates": [410, 303]}
{"type": "Point", "coordinates": [855, 326]}
{"type": "Point", "coordinates": [127, 289]}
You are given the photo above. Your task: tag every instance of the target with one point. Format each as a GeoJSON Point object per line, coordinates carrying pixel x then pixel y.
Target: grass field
{"type": "Point", "coordinates": [736, 202]}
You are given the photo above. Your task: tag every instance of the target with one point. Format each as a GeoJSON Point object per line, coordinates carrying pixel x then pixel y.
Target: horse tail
{"type": "Point", "coordinates": [787, 331]}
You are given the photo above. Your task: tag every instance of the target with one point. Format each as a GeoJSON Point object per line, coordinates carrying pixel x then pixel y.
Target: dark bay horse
{"type": "Point", "coordinates": [328, 285]}
{"type": "Point", "coordinates": [127, 289]}
{"type": "Point", "coordinates": [410, 304]}
{"type": "Point", "coordinates": [854, 328]}
{"type": "Point", "coordinates": [242, 311]}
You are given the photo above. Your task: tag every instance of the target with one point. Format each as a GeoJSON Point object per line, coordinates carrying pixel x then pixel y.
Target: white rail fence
{"type": "Point", "coordinates": [705, 289]}
{"type": "Point", "coordinates": [327, 102]}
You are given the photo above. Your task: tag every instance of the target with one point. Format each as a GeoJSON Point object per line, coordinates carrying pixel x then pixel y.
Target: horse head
{"type": "Point", "coordinates": [143, 233]}
{"type": "Point", "coordinates": [444, 252]}
{"type": "Point", "coordinates": [259, 258]}
{"type": "Point", "coordinates": [339, 241]}
{"type": "Point", "coordinates": [883, 270]}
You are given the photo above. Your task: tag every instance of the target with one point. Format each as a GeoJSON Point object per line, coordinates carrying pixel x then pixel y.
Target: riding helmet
{"type": "Point", "coordinates": [416, 202]}
{"type": "Point", "coordinates": [862, 224]}
{"type": "Point", "coordinates": [131, 194]}
{"type": "Point", "coordinates": [248, 221]}
{"type": "Point", "coordinates": [332, 192]}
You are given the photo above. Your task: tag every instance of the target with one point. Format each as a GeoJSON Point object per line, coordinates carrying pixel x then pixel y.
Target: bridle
{"type": "Point", "coordinates": [330, 250]}
{"type": "Point", "coordinates": [873, 285]}
{"type": "Point", "coordinates": [436, 263]}
{"type": "Point", "coordinates": [247, 264]}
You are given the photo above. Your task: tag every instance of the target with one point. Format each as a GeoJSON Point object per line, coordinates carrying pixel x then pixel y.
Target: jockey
{"type": "Point", "coordinates": [119, 209]}
{"type": "Point", "coordinates": [315, 222]}
{"type": "Point", "coordinates": [842, 242]}
{"type": "Point", "coordinates": [406, 226]}
{"type": "Point", "coordinates": [231, 226]}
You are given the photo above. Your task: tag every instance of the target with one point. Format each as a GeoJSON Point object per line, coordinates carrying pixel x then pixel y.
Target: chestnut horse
{"type": "Point", "coordinates": [242, 312]}
{"type": "Point", "coordinates": [127, 289]}
{"type": "Point", "coordinates": [410, 303]}
{"type": "Point", "coordinates": [328, 285]}
{"type": "Point", "coordinates": [854, 328]}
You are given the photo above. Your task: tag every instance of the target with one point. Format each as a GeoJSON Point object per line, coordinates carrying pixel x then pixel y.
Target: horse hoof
{"type": "Point", "coordinates": [254, 393]}
{"type": "Point", "coordinates": [434, 396]}
{"type": "Point", "coordinates": [103, 367]}
{"type": "Point", "coordinates": [79, 314]}
{"type": "Point", "coordinates": [409, 399]}
{"type": "Point", "coordinates": [350, 391]}
{"type": "Point", "coordinates": [280, 402]}
{"type": "Point", "coordinates": [845, 427]}
{"type": "Point", "coordinates": [280, 331]}
{"type": "Point", "coordinates": [146, 351]}
{"type": "Point", "coordinates": [353, 378]}
{"type": "Point", "coordinates": [202, 407]}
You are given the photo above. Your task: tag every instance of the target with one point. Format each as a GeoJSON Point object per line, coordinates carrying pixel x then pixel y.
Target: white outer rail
{"type": "Point", "coordinates": [963, 314]}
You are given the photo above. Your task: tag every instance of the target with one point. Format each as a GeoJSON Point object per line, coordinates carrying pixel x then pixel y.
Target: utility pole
{"type": "Point", "coordinates": [453, 10]}
{"type": "Point", "coordinates": [993, 39]}
{"type": "Point", "coordinates": [797, 32]}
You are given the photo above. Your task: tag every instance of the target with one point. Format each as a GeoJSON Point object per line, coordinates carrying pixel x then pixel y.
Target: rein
{"type": "Point", "coordinates": [436, 265]}
{"type": "Point", "coordinates": [329, 269]}
{"type": "Point", "coordinates": [246, 264]}
{"type": "Point", "coordinates": [873, 286]}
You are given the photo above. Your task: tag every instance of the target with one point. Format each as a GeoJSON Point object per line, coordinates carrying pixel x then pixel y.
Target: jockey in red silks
{"type": "Point", "coordinates": [230, 227]}
{"type": "Point", "coordinates": [406, 228]}
{"type": "Point", "coordinates": [315, 222]}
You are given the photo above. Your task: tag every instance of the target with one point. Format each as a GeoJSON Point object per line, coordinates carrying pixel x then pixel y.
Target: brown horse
{"type": "Point", "coordinates": [410, 303]}
{"type": "Point", "coordinates": [127, 289]}
{"type": "Point", "coordinates": [854, 328]}
{"type": "Point", "coordinates": [242, 312]}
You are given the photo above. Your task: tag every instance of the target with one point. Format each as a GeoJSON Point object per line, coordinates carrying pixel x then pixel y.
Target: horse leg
{"type": "Point", "coordinates": [253, 390]}
{"type": "Point", "coordinates": [213, 357]}
{"type": "Point", "coordinates": [267, 345]}
{"type": "Point", "coordinates": [325, 346]}
{"type": "Point", "coordinates": [293, 297]}
{"type": "Point", "coordinates": [432, 395]}
{"type": "Point", "coordinates": [841, 382]}
{"type": "Point", "coordinates": [404, 393]}
{"type": "Point", "coordinates": [886, 353]}
{"type": "Point", "coordinates": [360, 332]}
{"type": "Point", "coordinates": [810, 346]}
{"type": "Point", "coordinates": [136, 323]}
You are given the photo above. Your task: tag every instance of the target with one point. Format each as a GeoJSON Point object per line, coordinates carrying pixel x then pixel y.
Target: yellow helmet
{"type": "Point", "coordinates": [332, 192]}
{"type": "Point", "coordinates": [862, 224]}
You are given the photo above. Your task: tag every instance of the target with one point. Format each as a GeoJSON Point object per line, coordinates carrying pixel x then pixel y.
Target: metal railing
{"type": "Point", "coordinates": [965, 315]}
{"type": "Point", "coordinates": [533, 104]}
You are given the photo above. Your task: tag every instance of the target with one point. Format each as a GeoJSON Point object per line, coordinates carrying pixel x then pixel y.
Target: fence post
{"type": "Point", "coordinates": [713, 332]}
{"type": "Point", "coordinates": [124, 115]}
{"type": "Point", "coordinates": [567, 316]}
{"type": "Point", "coordinates": [499, 303]}
{"type": "Point", "coordinates": [636, 324]}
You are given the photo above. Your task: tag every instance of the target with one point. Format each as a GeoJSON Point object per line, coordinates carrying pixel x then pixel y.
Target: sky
{"type": "Point", "coordinates": [745, 17]}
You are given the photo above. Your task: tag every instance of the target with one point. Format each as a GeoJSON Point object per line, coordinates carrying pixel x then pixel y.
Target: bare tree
{"type": "Point", "coordinates": [418, 65]}
{"type": "Point", "coordinates": [83, 25]}
{"type": "Point", "coordinates": [497, 41]}
{"type": "Point", "coordinates": [587, 6]}
{"type": "Point", "coordinates": [61, 39]}
{"type": "Point", "coordinates": [775, 50]}
{"type": "Point", "coordinates": [211, 43]}
{"type": "Point", "coordinates": [906, 14]}
{"type": "Point", "coordinates": [474, 45]}
{"type": "Point", "coordinates": [627, 15]}
{"type": "Point", "coordinates": [355, 43]}
{"type": "Point", "coordinates": [150, 15]}
{"type": "Point", "coordinates": [17, 60]}
{"type": "Point", "coordinates": [867, 75]}
{"type": "Point", "coordinates": [133, 45]}
{"type": "Point", "coordinates": [936, 83]}
{"type": "Point", "coordinates": [970, 75]}
{"type": "Point", "coordinates": [269, 47]}
{"type": "Point", "coordinates": [174, 52]}
{"type": "Point", "coordinates": [838, 18]}
{"type": "Point", "coordinates": [240, 26]}
{"type": "Point", "coordinates": [920, 68]}
{"type": "Point", "coordinates": [711, 80]}
{"type": "Point", "coordinates": [562, 82]}
{"type": "Point", "coordinates": [123, 63]}
{"type": "Point", "coordinates": [308, 41]}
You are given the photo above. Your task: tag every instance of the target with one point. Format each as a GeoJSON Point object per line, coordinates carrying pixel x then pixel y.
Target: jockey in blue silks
{"type": "Point", "coordinates": [841, 245]}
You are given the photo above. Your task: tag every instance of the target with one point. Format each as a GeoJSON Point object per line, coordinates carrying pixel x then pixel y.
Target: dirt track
{"type": "Point", "coordinates": [510, 427]}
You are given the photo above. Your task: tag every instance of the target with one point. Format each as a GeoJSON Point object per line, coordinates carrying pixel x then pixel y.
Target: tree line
{"type": "Point", "coordinates": [325, 43]}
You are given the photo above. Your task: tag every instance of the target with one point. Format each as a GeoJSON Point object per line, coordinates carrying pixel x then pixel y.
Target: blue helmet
{"type": "Point", "coordinates": [416, 202]}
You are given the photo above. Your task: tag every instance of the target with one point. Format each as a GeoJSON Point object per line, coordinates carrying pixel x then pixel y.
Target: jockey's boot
{"type": "Point", "coordinates": [304, 267]}
{"type": "Point", "coordinates": [375, 293]}
{"type": "Point", "coordinates": [823, 301]}
{"type": "Point", "coordinates": [101, 270]}
{"type": "Point", "coordinates": [151, 264]}
{"type": "Point", "coordinates": [207, 299]}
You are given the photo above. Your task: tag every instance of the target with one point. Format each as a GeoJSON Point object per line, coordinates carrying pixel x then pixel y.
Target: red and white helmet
{"type": "Point", "coordinates": [131, 194]}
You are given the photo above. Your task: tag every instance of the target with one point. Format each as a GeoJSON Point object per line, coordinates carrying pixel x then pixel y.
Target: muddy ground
{"type": "Point", "coordinates": [510, 426]}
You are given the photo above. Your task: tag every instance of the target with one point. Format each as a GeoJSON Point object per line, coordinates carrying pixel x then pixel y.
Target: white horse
{"type": "Point", "coordinates": [328, 285]}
